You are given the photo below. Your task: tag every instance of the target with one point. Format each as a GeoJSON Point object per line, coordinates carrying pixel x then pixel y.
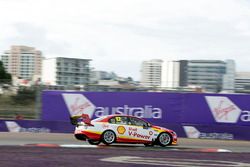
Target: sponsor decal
{"type": "Point", "coordinates": [14, 127]}
{"type": "Point", "coordinates": [78, 104]}
{"type": "Point", "coordinates": [121, 130]}
{"type": "Point", "coordinates": [138, 135]}
{"type": "Point", "coordinates": [223, 109]}
{"type": "Point", "coordinates": [105, 126]}
{"type": "Point", "coordinates": [150, 133]}
{"type": "Point", "coordinates": [245, 117]}
{"type": "Point", "coordinates": [147, 111]}
{"type": "Point", "coordinates": [192, 132]}
{"type": "Point", "coordinates": [118, 119]}
{"type": "Point", "coordinates": [132, 131]}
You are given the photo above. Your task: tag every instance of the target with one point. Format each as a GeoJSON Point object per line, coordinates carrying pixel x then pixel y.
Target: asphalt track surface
{"type": "Point", "coordinates": [50, 150]}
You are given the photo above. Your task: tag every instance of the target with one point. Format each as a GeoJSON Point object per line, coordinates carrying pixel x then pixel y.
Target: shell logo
{"type": "Point", "coordinates": [121, 130]}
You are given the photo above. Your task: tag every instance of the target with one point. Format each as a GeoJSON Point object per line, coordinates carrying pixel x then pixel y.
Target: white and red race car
{"type": "Point", "coordinates": [121, 129]}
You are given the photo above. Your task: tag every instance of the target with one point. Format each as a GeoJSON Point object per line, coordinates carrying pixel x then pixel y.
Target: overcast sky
{"type": "Point", "coordinates": [119, 34]}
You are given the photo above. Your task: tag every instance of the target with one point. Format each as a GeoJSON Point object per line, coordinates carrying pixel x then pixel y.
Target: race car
{"type": "Point", "coordinates": [121, 129]}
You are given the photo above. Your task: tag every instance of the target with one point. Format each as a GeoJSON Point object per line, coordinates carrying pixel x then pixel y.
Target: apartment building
{"type": "Point", "coordinates": [210, 75]}
{"type": "Point", "coordinates": [151, 73]}
{"type": "Point", "coordinates": [23, 62]}
{"type": "Point", "coordinates": [242, 82]}
{"type": "Point", "coordinates": [66, 71]}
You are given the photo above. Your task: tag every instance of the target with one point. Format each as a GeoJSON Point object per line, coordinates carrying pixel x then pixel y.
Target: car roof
{"type": "Point", "coordinates": [107, 117]}
{"type": "Point", "coordinates": [121, 115]}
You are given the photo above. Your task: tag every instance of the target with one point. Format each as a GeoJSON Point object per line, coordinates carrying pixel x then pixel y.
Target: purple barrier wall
{"type": "Point", "coordinates": [36, 126]}
{"type": "Point", "coordinates": [225, 132]}
{"type": "Point", "coordinates": [216, 109]}
{"type": "Point", "coordinates": [221, 116]}
{"type": "Point", "coordinates": [155, 107]}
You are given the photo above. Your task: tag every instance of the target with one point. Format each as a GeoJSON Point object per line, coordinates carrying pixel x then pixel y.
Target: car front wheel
{"type": "Point", "coordinates": [108, 137]}
{"type": "Point", "coordinates": [164, 139]}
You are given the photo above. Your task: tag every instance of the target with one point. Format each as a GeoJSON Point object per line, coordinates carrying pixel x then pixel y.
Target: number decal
{"type": "Point", "coordinates": [118, 119]}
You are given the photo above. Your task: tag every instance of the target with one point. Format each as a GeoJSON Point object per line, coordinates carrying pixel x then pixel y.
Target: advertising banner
{"type": "Point", "coordinates": [222, 132]}
{"type": "Point", "coordinates": [194, 115]}
{"type": "Point", "coordinates": [153, 106]}
{"type": "Point", "coordinates": [216, 109]}
{"type": "Point", "coordinates": [35, 126]}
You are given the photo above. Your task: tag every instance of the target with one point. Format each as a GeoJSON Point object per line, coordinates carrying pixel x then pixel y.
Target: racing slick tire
{"type": "Point", "coordinates": [108, 137]}
{"type": "Point", "coordinates": [164, 139]}
{"type": "Point", "coordinates": [94, 142]}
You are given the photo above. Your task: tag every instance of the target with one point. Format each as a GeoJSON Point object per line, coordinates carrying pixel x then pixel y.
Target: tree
{"type": "Point", "coordinates": [4, 76]}
{"type": "Point", "coordinates": [24, 96]}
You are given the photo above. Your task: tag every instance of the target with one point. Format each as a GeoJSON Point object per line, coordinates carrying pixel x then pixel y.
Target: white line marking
{"type": "Point", "coordinates": [173, 162]}
{"type": "Point", "coordinates": [77, 146]}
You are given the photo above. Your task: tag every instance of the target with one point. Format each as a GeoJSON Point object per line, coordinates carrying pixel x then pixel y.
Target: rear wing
{"type": "Point", "coordinates": [84, 118]}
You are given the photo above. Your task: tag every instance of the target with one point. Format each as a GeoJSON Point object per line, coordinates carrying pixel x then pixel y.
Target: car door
{"type": "Point", "coordinates": [119, 126]}
{"type": "Point", "coordinates": [139, 129]}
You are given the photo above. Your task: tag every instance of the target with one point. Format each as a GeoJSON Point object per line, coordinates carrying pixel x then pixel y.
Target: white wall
{"type": "Point", "coordinates": [170, 74]}
{"type": "Point", "coordinates": [49, 71]}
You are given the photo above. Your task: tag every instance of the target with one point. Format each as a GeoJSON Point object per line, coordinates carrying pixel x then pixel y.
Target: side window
{"type": "Point", "coordinates": [112, 120]}
{"type": "Point", "coordinates": [137, 122]}
{"type": "Point", "coordinates": [118, 120]}
{"type": "Point", "coordinates": [121, 120]}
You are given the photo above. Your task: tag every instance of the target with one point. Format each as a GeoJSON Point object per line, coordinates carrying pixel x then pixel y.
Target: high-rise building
{"type": "Point", "coordinates": [242, 82]}
{"type": "Point", "coordinates": [229, 77]}
{"type": "Point", "coordinates": [210, 75]}
{"type": "Point", "coordinates": [66, 71]}
{"type": "Point", "coordinates": [23, 62]}
{"type": "Point", "coordinates": [151, 73]}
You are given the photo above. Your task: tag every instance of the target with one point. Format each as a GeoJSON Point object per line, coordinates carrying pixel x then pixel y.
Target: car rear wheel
{"type": "Point", "coordinates": [94, 142]}
{"type": "Point", "coordinates": [164, 139]}
{"type": "Point", "coordinates": [108, 137]}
